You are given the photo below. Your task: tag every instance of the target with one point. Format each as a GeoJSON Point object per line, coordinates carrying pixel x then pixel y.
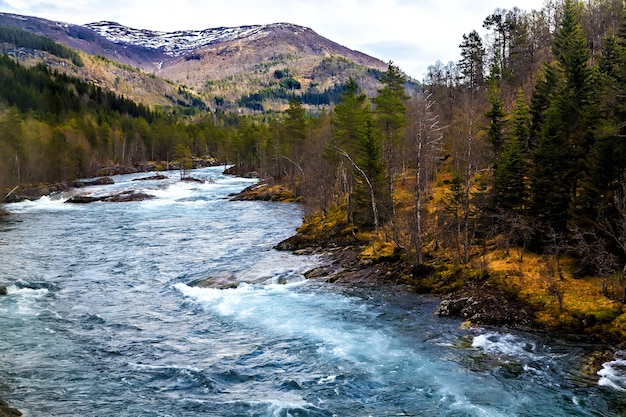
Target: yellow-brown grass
{"type": "Point", "coordinates": [583, 308]}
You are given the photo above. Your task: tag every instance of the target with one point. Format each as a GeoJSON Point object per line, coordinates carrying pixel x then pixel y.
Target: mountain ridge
{"type": "Point", "coordinates": [223, 65]}
{"type": "Point", "coordinates": [179, 42]}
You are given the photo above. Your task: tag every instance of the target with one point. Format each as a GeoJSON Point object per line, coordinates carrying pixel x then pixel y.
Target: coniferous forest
{"type": "Point", "coordinates": [516, 150]}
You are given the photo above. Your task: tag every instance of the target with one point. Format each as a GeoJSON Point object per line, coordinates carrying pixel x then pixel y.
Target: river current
{"type": "Point", "coordinates": [102, 319]}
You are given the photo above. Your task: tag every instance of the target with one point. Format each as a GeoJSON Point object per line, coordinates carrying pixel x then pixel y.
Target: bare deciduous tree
{"type": "Point", "coordinates": [427, 136]}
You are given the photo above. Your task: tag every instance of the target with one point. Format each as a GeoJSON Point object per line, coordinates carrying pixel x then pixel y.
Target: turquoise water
{"type": "Point", "coordinates": [102, 319]}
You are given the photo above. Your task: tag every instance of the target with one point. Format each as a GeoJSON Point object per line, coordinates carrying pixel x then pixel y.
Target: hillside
{"type": "Point", "coordinates": [223, 66]}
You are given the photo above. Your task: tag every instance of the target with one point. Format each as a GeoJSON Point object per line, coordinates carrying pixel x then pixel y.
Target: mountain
{"type": "Point", "coordinates": [255, 67]}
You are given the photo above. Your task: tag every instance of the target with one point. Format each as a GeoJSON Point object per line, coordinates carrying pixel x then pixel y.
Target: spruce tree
{"type": "Point", "coordinates": [497, 121]}
{"type": "Point", "coordinates": [563, 120]}
{"type": "Point", "coordinates": [353, 147]}
{"type": "Point", "coordinates": [391, 119]}
{"type": "Point", "coordinates": [509, 184]}
{"type": "Point", "coordinates": [606, 161]}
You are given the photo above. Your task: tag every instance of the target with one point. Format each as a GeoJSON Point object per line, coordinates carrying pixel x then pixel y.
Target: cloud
{"type": "Point", "coordinates": [4, 7]}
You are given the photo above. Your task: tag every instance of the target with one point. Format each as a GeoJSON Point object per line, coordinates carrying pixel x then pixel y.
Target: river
{"type": "Point", "coordinates": [102, 319]}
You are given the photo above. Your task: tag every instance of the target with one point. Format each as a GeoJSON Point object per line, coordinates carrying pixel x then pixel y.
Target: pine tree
{"type": "Point", "coordinates": [349, 119]}
{"type": "Point", "coordinates": [472, 64]}
{"type": "Point", "coordinates": [606, 161]}
{"type": "Point", "coordinates": [353, 142]}
{"type": "Point", "coordinates": [12, 153]}
{"type": "Point", "coordinates": [391, 119]}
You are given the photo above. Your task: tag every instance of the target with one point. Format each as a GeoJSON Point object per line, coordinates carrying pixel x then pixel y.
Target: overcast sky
{"type": "Point", "coordinates": [412, 33]}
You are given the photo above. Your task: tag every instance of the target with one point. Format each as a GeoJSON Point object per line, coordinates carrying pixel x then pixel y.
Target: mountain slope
{"type": "Point", "coordinates": [228, 63]}
{"type": "Point", "coordinates": [225, 66]}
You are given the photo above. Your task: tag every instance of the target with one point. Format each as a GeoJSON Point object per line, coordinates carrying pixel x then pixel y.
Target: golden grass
{"type": "Point", "coordinates": [568, 304]}
{"type": "Point", "coordinates": [583, 306]}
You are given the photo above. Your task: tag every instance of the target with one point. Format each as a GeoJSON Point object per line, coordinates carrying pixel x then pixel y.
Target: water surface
{"type": "Point", "coordinates": [102, 319]}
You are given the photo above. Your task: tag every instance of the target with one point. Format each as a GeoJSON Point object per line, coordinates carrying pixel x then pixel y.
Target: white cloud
{"type": "Point", "coordinates": [412, 33]}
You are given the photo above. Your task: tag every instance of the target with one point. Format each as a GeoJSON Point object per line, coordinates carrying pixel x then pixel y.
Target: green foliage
{"type": "Point", "coordinates": [279, 74]}
{"type": "Point", "coordinates": [54, 127]}
{"type": "Point", "coordinates": [24, 39]}
{"type": "Point", "coordinates": [184, 159]}
{"type": "Point", "coordinates": [290, 83]}
{"type": "Point", "coordinates": [496, 115]}
{"type": "Point", "coordinates": [390, 105]}
{"type": "Point", "coordinates": [472, 59]}
{"type": "Point", "coordinates": [350, 116]}
{"type": "Point", "coordinates": [355, 144]}
{"type": "Point", "coordinates": [563, 122]}
{"type": "Point", "coordinates": [254, 101]}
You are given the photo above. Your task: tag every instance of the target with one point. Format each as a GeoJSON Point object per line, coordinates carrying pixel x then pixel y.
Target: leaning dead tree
{"type": "Point", "coordinates": [369, 184]}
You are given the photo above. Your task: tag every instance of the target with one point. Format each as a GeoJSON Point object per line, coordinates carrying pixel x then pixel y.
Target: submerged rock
{"type": "Point", "coordinates": [192, 179]}
{"type": "Point", "coordinates": [218, 282]}
{"type": "Point", "coordinates": [97, 181]}
{"type": "Point", "coordinates": [128, 197]}
{"type": "Point", "coordinates": [125, 197]}
{"type": "Point", "coordinates": [152, 178]}
{"type": "Point", "coordinates": [82, 199]}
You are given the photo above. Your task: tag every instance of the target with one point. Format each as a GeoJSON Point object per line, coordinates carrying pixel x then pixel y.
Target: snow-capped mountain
{"type": "Point", "coordinates": [226, 67]}
{"type": "Point", "coordinates": [179, 43]}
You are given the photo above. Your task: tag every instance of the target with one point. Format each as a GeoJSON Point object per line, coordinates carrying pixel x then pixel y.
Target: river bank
{"type": "Point", "coordinates": [7, 411]}
{"type": "Point", "coordinates": [496, 289]}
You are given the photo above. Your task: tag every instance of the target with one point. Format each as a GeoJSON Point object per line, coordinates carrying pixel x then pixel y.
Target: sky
{"type": "Point", "coordinates": [412, 33]}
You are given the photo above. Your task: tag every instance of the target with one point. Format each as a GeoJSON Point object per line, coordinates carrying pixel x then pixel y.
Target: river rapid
{"type": "Point", "coordinates": [102, 319]}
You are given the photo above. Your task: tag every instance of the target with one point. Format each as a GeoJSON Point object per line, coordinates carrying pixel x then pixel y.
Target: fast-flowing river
{"type": "Point", "coordinates": [102, 320]}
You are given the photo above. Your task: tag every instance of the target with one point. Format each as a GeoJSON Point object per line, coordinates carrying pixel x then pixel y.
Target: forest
{"type": "Point", "coordinates": [519, 146]}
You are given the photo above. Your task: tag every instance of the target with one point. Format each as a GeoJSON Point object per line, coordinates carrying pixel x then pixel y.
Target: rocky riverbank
{"type": "Point", "coordinates": [471, 298]}
{"type": "Point", "coordinates": [477, 302]}
{"type": "Point", "coordinates": [7, 411]}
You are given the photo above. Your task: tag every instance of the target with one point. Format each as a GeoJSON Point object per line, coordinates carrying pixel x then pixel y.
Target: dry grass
{"type": "Point", "coordinates": [583, 305]}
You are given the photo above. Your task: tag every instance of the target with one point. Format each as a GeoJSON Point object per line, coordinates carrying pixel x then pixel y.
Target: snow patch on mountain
{"type": "Point", "coordinates": [182, 42]}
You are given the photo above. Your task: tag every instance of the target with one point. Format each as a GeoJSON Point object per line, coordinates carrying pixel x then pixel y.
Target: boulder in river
{"type": "Point", "coordinates": [128, 197]}
{"type": "Point", "coordinates": [97, 181]}
{"type": "Point", "coordinates": [124, 197]}
{"type": "Point", "coordinates": [3, 290]}
{"type": "Point", "coordinates": [152, 178]}
{"type": "Point", "coordinates": [7, 411]}
{"type": "Point", "coordinates": [192, 179]}
{"type": "Point", "coordinates": [82, 199]}
{"type": "Point", "coordinates": [218, 282]}
{"type": "Point", "coordinates": [490, 307]}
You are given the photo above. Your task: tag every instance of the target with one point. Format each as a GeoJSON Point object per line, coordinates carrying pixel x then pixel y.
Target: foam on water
{"type": "Point", "coordinates": [45, 203]}
{"type": "Point", "coordinates": [340, 328]}
{"type": "Point", "coordinates": [494, 343]}
{"type": "Point", "coordinates": [613, 374]}
{"type": "Point", "coordinates": [24, 301]}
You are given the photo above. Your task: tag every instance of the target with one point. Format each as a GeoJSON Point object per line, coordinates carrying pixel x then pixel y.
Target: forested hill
{"type": "Point", "coordinates": [55, 127]}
